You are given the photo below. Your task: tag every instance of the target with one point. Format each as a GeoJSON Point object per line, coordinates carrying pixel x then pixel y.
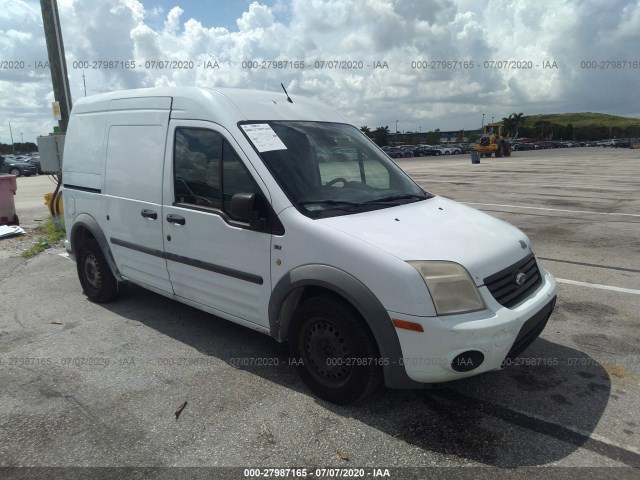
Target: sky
{"type": "Point", "coordinates": [424, 64]}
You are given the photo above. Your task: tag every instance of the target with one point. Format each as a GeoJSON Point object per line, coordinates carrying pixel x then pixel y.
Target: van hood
{"type": "Point", "coordinates": [439, 229]}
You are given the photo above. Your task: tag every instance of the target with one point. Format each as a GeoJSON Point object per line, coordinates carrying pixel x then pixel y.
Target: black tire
{"type": "Point", "coordinates": [15, 171]}
{"type": "Point", "coordinates": [95, 276]}
{"type": "Point", "coordinates": [438, 154]}
{"type": "Point", "coordinates": [329, 337]}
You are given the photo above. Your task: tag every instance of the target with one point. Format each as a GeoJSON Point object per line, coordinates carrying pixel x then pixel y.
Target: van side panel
{"type": "Point", "coordinates": [133, 164]}
{"type": "Point", "coordinates": [135, 144]}
{"type": "Point", "coordinates": [84, 150]}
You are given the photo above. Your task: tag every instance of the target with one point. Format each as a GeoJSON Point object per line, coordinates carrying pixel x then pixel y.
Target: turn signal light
{"type": "Point", "coordinates": [414, 327]}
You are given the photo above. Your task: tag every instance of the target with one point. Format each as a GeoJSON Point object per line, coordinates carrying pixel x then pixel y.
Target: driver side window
{"type": "Point", "coordinates": [207, 171]}
{"type": "Point", "coordinates": [196, 169]}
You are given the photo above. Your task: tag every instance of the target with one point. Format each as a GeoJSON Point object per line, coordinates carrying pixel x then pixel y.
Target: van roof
{"type": "Point", "coordinates": [226, 106]}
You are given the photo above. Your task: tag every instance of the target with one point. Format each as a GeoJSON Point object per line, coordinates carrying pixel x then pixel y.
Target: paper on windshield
{"type": "Point", "coordinates": [263, 137]}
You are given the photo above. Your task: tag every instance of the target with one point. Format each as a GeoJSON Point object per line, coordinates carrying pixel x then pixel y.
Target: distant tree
{"type": "Point", "coordinates": [433, 138]}
{"type": "Point", "coordinates": [517, 120]}
{"type": "Point", "coordinates": [367, 131]}
{"type": "Point", "coordinates": [544, 128]}
{"type": "Point", "coordinates": [507, 125]}
{"type": "Point", "coordinates": [380, 136]}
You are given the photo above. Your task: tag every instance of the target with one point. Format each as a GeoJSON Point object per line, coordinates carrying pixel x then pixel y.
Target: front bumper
{"type": "Point", "coordinates": [497, 333]}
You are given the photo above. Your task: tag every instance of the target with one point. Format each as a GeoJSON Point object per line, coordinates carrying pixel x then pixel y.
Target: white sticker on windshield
{"type": "Point", "coordinates": [263, 137]}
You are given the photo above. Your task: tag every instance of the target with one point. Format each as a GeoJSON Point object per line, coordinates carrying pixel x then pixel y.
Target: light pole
{"type": "Point", "coordinates": [483, 122]}
{"type": "Point", "coordinates": [13, 145]}
{"type": "Point", "coordinates": [21, 138]}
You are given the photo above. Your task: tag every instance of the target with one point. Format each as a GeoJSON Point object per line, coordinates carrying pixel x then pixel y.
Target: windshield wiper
{"type": "Point", "coordinates": [400, 196]}
{"type": "Point", "coordinates": [332, 204]}
{"type": "Point", "coordinates": [329, 202]}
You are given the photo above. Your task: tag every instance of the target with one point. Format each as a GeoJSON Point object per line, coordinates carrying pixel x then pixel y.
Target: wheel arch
{"type": "Point", "coordinates": [86, 227]}
{"type": "Point", "coordinates": [308, 280]}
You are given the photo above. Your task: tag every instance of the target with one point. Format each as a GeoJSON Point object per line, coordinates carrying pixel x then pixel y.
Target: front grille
{"type": "Point", "coordinates": [503, 287]}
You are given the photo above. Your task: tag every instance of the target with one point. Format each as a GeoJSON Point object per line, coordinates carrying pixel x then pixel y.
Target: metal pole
{"type": "Point", "coordinates": [483, 122]}
{"type": "Point", "coordinates": [57, 62]}
{"type": "Point", "coordinates": [13, 145]}
{"type": "Point", "coordinates": [84, 84]}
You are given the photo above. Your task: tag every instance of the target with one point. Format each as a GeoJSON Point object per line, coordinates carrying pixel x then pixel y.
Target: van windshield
{"type": "Point", "coordinates": [329, 169]}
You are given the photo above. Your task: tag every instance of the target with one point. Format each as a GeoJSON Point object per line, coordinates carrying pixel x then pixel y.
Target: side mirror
{"type": "Point", "coordinates": [243, 206]}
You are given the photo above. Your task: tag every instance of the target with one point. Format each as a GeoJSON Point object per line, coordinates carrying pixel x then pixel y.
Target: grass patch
{"type": "Point", "coordinates": [47, 235]}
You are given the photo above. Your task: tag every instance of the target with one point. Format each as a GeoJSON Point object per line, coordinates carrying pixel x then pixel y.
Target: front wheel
{"type": "Point", "coordinates": [333, 350]}
{"type": "Point", "coordinates": [94, 273]}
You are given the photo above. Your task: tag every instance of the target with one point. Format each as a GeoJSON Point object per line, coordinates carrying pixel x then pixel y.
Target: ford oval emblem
{"type": "Point", "coordinates": [521, 278]}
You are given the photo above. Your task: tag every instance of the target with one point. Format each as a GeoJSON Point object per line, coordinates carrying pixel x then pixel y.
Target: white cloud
{"type": "Point", "coordinates": [368, 31]}
{"type": "Point", "coordinates": [258, 17]}
{"type": "Point", "coordinates": [172, 25]}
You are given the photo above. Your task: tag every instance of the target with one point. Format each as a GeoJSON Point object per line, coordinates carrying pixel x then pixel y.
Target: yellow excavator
{"type": "Point", "coordinates": [493, 141]}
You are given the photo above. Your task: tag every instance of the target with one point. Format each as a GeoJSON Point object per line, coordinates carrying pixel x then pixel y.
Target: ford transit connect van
{"type": "Point", "coordinates": [283, 217]}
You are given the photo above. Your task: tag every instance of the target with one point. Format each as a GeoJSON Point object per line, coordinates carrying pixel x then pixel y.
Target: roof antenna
{"type": "Point", "coordinates": [285, 92]}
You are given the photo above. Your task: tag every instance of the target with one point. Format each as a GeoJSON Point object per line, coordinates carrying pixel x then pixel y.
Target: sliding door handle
{"type": "Point", "coordinates": [149, 214]}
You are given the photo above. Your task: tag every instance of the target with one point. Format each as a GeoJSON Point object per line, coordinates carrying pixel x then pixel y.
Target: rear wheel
{"type": "Point", "coordinates": [335, 353]}
{"type": "Point", "coordinates": [15, 171]}
{"type": "Point", "coordinates": [94, 273]}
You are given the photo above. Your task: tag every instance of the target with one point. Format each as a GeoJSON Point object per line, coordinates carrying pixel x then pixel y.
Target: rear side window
{"type": "Point", "coordinates": [207, 171]}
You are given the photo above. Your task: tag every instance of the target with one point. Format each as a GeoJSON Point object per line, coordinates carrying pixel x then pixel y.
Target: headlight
{"type": "Point", "coordinates": [451, 287]}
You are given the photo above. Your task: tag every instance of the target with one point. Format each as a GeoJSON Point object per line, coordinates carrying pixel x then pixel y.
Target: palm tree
{"type": "Point", "coordinates": [518, 121]}
{"type": "Point", "coordinates": [507, 125]}
{"type": "Point", "coordinates": [380, 135]}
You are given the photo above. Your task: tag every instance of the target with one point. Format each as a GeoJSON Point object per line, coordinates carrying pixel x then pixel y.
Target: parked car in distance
{"type": "Point", "coordinates": [199, 195]}
{"type": "Point", "coordinates": [447, 150]}
{"type": "Point", "coordinates": [519, 147]}
{"type": "Point", "coordinates": [409, 150]}
{"type": "Point", "coordinates": [395, 152]}
{"type": "Point", "coordinates": [464, 147]}
{"type": "Point", "coordinates": [17, 167]}
{"type": "Point", "coordinates": [34, 160]}
{"type": "Point", "coordinates": [428, 151]}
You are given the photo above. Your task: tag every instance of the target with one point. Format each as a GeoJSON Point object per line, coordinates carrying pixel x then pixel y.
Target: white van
{"type": "Point", "coordinates": [282, 217]}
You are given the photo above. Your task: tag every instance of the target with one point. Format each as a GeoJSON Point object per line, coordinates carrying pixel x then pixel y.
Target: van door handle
{"type": "Point", "coordinates": [149, 214]}
{"type": "Point", "coordinates": [171, 218]}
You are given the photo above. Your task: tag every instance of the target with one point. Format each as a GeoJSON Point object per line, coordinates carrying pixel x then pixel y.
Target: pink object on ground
{"type": "Point", "coordinates": [8, 187]}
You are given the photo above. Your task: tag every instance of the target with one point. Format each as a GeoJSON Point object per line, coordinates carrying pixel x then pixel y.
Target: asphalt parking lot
{"type": "Point", "coordinates": [97, 385]}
